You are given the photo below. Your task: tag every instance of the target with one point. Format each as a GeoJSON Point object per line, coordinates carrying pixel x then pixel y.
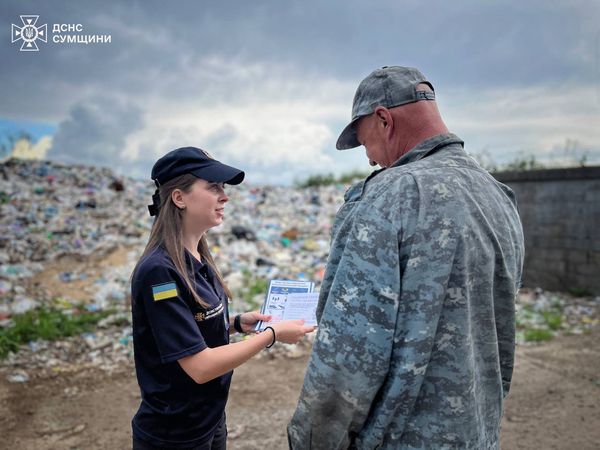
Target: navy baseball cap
{"type": "Point", "coordinates": [390, 86]}
{"type": "Point", "coordinates": [197, 162]}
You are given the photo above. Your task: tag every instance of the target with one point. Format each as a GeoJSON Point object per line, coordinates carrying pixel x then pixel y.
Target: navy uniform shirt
{"type": "Point", "coordinates": [168, 324]}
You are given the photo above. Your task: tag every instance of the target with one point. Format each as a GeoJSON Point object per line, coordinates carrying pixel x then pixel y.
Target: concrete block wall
{"type": "Point", "coordinates": [560, 211]}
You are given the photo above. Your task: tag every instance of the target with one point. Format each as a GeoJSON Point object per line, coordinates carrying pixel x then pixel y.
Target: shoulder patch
{"type": "Point", "coordinates": [163, 291]}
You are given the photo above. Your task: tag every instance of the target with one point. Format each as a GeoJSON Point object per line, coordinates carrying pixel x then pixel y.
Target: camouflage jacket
{"type": "Point", "coordinates": [415, 344]}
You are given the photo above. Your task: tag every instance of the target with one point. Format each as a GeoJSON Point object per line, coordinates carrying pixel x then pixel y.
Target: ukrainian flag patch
{"type": "Point", "coordinates": [163, 291]}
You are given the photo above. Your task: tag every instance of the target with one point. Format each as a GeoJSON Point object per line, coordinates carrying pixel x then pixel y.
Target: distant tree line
{"type": "Point", "coordinates": [330, 178]}
{"type": "Point", "coordinates": [570, 155]}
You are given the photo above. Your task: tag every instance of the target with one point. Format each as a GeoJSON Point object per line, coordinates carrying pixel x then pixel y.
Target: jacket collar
{"type": "Point", "coordinates": [428, 147]}
{"type": "Point", "coordinates": [420, 151]}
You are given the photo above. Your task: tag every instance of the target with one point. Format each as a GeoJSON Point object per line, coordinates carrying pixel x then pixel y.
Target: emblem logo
{"type": "Point", "coordinates": [208, 155]}
{"type": "Point", "coordinates": [29, 33]}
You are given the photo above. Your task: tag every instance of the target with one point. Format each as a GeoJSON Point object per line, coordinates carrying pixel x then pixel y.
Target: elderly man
{"type": "Point", "coordinates": [416, 332]}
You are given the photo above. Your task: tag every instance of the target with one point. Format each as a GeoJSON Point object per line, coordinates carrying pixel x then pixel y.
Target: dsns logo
{"type": "Point", "coordinates": [29, 33]}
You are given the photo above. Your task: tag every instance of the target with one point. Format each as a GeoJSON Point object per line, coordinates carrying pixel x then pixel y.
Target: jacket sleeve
{"type": "Point", "coordinates": [351, 352]}
{"type": "Point", "coordinates": [505, 311]}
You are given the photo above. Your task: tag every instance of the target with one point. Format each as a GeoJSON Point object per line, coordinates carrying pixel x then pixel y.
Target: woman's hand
{"type": "Point", "coordinates": [248, 320]}
{"type": "Point", "coordinates": [211, 363]}
{"type": "Point", "coordinates": [291, 331]}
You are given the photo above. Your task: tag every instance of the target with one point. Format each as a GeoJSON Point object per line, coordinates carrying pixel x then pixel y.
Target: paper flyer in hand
{"type": "Point", "coordinates": [289, 299]}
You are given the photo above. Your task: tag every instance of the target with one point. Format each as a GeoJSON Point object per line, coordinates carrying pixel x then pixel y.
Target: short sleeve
{"type": "Point", "coordinates": [170, 318]}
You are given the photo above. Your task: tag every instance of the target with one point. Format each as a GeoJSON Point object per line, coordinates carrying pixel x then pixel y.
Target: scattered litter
{"type": "Point", "coordinates": [71, 391]}
{"type": "Point", "coordinates": [541, 315]}
{"type": "Point", "coordinates": [58, 224]}
{"type": "Point", "coordinates": [22, 304]}
{"type": "Point", "coordinates": [19, 376]}
{"type": "Point", "coordinates": [235, 431]}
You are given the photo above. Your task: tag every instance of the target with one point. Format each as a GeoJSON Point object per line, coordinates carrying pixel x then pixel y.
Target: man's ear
{"type": "Point", "coordinates": [177, 197]}
{"type": "Point", "coordinates": [384, 118]}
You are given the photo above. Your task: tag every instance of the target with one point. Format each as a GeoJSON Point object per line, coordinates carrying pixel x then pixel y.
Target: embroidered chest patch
{"type": "Point", "coordinates": [209, 314]}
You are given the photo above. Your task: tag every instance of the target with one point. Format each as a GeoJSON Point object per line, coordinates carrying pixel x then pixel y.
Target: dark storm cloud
{"type": "Point", "coordinates": [95, 133]}
{"type": "Point", "coordinates": [206, 72]}
{"type": "Point", "coordinates": [473, 43]}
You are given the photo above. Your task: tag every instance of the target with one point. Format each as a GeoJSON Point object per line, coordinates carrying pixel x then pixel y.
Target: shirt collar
{"type": "Point", "coordinates": [192, 263]}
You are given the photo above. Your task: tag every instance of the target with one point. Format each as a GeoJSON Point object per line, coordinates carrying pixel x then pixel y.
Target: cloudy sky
{"type": "Point", "coordinates": [268, 85]}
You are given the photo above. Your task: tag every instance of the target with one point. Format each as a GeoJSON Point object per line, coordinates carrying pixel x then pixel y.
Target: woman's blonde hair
{"type": "Point", "coordinates": [167, 231]}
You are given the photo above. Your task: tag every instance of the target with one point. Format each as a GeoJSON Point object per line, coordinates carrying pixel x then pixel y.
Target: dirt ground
{"type": "Point", "coordinates": [554, 403]}
{"type": "Point", "coordinates": [80, 288]}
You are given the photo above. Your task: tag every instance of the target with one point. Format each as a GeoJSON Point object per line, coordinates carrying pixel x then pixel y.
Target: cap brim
{"type": "Point", "coordinates": [348, 137]}
{"type": "Point", "coordinates": [218, 172]}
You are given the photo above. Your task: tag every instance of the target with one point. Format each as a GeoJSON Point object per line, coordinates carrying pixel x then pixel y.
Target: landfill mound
{"type": "Point", "coordinates": [70, 236]}
{"type": "Point", "coordinates": [62, 218]}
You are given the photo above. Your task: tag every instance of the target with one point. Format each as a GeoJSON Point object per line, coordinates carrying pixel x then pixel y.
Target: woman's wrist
{"type": "Point", "coordinates": [237, 323]}
{"type": "Point", "coordinates": [274, 336]}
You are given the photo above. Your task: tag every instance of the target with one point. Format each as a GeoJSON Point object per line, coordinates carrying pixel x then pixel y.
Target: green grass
{"type": "Point", "coordinates": [255, 287]}
{"type": "Point", "coordinates": [258, 286]}
{"type": "Point", "coordinates": [251, 288]}
{"type": "Point", "coordinates": [537, 335]}
{"type": "Point", "coordinates": [553, 320]}
{"type": "Point", "coordinates": [47, 324]}
{"type": "Point", "coordinates": [539, 326]}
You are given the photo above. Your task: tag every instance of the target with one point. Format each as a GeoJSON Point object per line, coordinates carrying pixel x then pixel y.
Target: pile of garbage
{"type": "Point", "coordinates": [541, 315]}
{"type": "Point", "coordinates": [50, 213]}
{"type": "Point", "coordinates": [50, 210]}
{"type": "Point", "coordinates": [60, 224]}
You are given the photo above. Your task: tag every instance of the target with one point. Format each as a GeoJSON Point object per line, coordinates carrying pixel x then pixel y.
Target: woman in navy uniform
{"type": "Point", "coordinates": [181, 323]}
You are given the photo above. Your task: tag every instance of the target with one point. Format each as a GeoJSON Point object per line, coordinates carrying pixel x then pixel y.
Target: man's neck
{"type": "Point", "coordinates": [417, 122]}
{"type": "Point", "coordinates": [424, 133]}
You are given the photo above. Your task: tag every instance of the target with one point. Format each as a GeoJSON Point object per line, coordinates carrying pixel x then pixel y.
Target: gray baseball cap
{"type": "Point", "coordinates": [389, 86]}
